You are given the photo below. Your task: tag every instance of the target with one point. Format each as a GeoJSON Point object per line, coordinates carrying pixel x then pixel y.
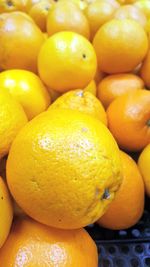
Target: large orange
{"type": "Point", "coordinates": [83, 101]}
{"type": "Point", "coordinates": [127, 208]}
{"type": "Point", "coordinates": [129, 120]}
{"type": "Point", "coordinates": [67, 61]}
{"type": "Point", "coordinates": [39, 13]}
{"type": "Point", "coordinates": [131, 12]}
{"type": "Point", "coordinates": [20, 44]}
{"type": "Point", "coordinates": [69, 169]}
{"type": "Point", "coordinates": [116, 85]}
{"type": "Point", "coordinates": [144, 166]}
{"type": "Point", "coordinates": [31, 244]}
{"type": "Point", "coordinates": [120, 45]}
{"type": "Point", "coordinates": [27, 89]}
{"type": "Point", "coordinates": [145, 70]}
{"type": "Point", "coordinates": [72, 19]}
{"type": "Point", "coordinates": [98, 13]}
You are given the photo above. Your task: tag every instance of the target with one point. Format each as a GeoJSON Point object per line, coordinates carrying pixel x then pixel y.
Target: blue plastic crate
{"type": "Point", "coordinates": [125, 248]}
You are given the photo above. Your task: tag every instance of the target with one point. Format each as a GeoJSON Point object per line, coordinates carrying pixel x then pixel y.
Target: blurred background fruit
{"type": "Point", "coordinates": [120, 46]}
{"type": "Point", "coordinates": [131, 12]}
{"type": "Point", "coordinates": [28, 90]}
{"type": "Point", "coordinates": [116, 85]}
{"type": "Point", "coordinates": [12, 119]}
{"type": "Point", "coordinates": [97, 14]}
{"type": "Point", "coordinates": [67, 16]}
{"type": "Point", "coordinates": [128, 120]}
{"type": "Point", "coordinates": [39, 13]}
{"type": "Point", "coordinates": [19, 47]}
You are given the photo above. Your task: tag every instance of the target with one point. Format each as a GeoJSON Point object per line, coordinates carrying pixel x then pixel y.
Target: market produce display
{"type": "Point", "coordinates": [74, 126]}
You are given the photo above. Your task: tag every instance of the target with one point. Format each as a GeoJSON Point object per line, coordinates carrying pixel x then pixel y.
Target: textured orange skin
{"type": "Point", "coordinates": [144, 166]}
{"type": "Point", "coordinates": [98, 13]}
{"type": "Point", "coordinates": [128, 205]}
{"type": "Point", "coordinates": [67, 61]}
{"type": "Point", "coordinates": [131, 12]}
{"type": "Point", "coordinates": [82, 101]}
{"type": "Point", "coordinates": [31, 244]}
{"type": "Point", "coordinates": [20, 44]}
{"type": "Point", "coordinates": [128, 118]}
{"type": "Point", "coordinates": [68, 159]}
{"type": "Point", "coordinates": [116, 85]}
{"type": "Point", "coordinates": [72, 19]}
{"type": "Point", "coordinates": [120, 46]}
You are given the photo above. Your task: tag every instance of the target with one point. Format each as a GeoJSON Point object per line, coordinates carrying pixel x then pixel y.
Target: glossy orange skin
{"type": "Point", "coordinates": [20, 41]}
{"type": "Point", "coordinates": [145, 70]}
{"type": "Point", "coordinates": [116, 85]}
{"type": "Point", "coordinates": [67, 16]}
{"type": "Point", "coordinates": [127, 208]}
{"type": "Point", "coordinates": [33, 244]}
{"type": "Point", "coordinates": [129, 118]}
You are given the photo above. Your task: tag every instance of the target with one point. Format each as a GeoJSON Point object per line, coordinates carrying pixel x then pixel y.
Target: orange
{"type": "Point", "coordinates": [144, 6]}
{"type": "Point", "coordinates": [131, 12]}
{"type": "Point", "coordinates": [98, 13]}
{"type": "Point", "coordinates": [33, 244]}
{"type": "Point", "coordinates": [12, 119]}
{"type": "Point", "coordinates": [13, 5]}
{"type": "Point", "coordinates": [128, 205]}
{"type": "Point", "coordinates": [129, 120]}
{"type": "Point", "coordinates": [145, 69]}
{"type": "Point", "coordinates": [67, 16]}
{"type": "Point", "coordinates": [39, 13]}
{"type": "Point", "coordinates": [28, 90]}
{"type": "Point", "coordinates": [116, 85]}
{"type": "Point", "coordinates": [91, 87]}
{"type": "Point", "coordinates": [82, 101]}
{"type": "Point", "coordinates": [19, 47]}
{"type": "Point", "coordinates": [67, 61]}
{"type": "Point", "coordinates": [6, 212]}
{"type": "Point", "coordinates": [144, 166]}
{"type": "Point", "coordinates": [120, 46]}
{"type": "Point", "coordinates": [69, 169]}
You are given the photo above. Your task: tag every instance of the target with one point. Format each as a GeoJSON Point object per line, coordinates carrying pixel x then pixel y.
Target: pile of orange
{"type": "Point", "coordinates": [75, 107]}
